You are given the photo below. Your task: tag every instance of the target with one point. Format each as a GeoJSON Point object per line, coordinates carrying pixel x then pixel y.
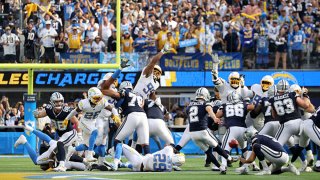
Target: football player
{"type": "Point", "coordinates": [58, 112]}
{"type": "Point", "coordinates": [91, 107]}
{"type": "Point", "coordinates": [266, 148]}
{"type": "Point", "coordinates": [234, 113]}
{"type": "Point", "coordinates": [198, 126]}
{"type": "Point", "coordinates": [160, 161]}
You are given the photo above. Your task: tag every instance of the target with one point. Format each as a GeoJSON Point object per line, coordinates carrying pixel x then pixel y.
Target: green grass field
{"type": "Point", "coordinates": [23, 168]}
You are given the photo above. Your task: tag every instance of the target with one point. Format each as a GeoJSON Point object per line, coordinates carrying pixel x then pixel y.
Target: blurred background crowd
{"type": "Point", "coordinates": [268, 33]}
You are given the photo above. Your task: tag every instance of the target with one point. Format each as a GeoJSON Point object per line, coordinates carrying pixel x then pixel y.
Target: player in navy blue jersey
{"type": "Point", "coordinates": [234, 113]}
{"type": "Point", "coordinates": [135, 119]}
{"type": "Point", "coordinates": [57, 112]}
{"type": "Point", "coordinates": [198, 111]}
{"type": "Point", "coordinates": [266, 148]}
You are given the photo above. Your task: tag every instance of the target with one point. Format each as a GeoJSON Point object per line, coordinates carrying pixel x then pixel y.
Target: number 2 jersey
{"type": "Point", "coordinates": [197, 115]}
{"type": "Point", "coordinates": [234, 114]}
{"type": "Point", "coordinates": [57, 119]}
{"type": "Point", "coordinates": [130, 103]}
{"type": "Point", "coordinates": [286, 107]}
{"type": "Point", "coordinates": [91, 112]}
{"type": "Point", "coordinates": [145, 85]}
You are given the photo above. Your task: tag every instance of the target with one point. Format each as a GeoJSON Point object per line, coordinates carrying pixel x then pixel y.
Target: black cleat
{"type": "Point", "coordinates": [316, 168]}
{"type": "Point", "coordinates": [310, 163]}
{"type": "Point", "coordinates": [223, 172]}
{"type": "Point", "coordinates": [207, 165]}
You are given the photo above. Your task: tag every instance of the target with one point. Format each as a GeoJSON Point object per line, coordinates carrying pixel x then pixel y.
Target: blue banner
{"type": "Point", "coordinates": [79, 58]}
{"type": "Point", "coordinates": [188, 42]}
{"type": "Point", "coordinates": [200, 62]}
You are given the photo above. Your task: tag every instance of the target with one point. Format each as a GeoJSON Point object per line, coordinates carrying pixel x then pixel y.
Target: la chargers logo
{"type": "Point", "coordinates": [284, 75]}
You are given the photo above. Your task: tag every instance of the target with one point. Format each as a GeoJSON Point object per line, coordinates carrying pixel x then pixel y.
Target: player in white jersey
{"type": "Point", "coordinates": [91, 107]}
{"type": "Point", "coordinates": [160, 161]}
{"type": "Point", "coordinates": [260, 91]}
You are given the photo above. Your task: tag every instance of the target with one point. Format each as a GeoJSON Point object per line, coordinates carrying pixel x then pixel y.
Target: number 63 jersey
{"type": "Point", "coordinates": [286, 107]}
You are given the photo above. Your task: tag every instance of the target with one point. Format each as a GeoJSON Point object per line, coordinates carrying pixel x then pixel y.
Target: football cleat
{"type": "Point", "coordinates": [176, 168]}
{"type": "Point", "coordinates": [215, 168]}
{"type": "Point", "coordinates": [293, 169]}
{"type": "Point", "coordinates": [60, 168]}
{"type": "Point", "coordinates": [316, 168]}
{"type": "Point", "coordinates": [223, 170]}
{"type": "Point", "coordinates": [90, 157]}
{"type": "Point", "coordinates": [21, 140]}
{"type": "Point", "coordinates": [303, 166]}
{"type": "Point", "coordinates": [243, 170]}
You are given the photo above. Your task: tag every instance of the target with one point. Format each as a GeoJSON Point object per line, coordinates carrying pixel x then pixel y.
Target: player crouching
{"type": "Point", "coordinates": [266, 148]}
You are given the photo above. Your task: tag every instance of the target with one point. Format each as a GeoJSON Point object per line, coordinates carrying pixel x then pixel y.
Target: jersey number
{"type": "Point", "coordinates": [234, 110]}
{"type": "Point", "coordinates": [284, 107]}
{"type": "Point", "coordinates": [91, 115]}
{"type": "Point", "coordinates": [160, 162]}
{"type": "Point", "coordinates": [134, 99]}
{"type": "Point", "coordinates": [148, 88]}
{"type": "Point", "coordinates": [193, 115]}
{"type": "Point", "coordinates": [268, 110]}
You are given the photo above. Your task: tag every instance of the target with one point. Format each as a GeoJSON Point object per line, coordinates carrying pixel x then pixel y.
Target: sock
{"type": "Point", "coordinates": [130, 143]}
{"type": "Point", "coordinates": [130, 166]}
{"type": "Point", "coordinates": [139, 148]}
{"type": "Point", "coordinates": [146, 149]}
{"type": "Point", "coordinates": [308, 147]}
{"type": "Point", "coordinates": [222, 153]}
{"type": "Point", "coordinates": [81, 147]}
{"type": "Point", "coordinates": [100, 160]}
{"type": "Point", "coordinates": [61, 163]}
{"type": "Point", "coordinates": [309, 154]}
{"type": "Point", "coordinates": [264, 165]}
{"type": "Point", "coordinates": [157, 140]}
{"type": "Point", "coordinates": [224, 160]}
{"type": "Point", "coordinates": [208, 161]}
{"type": "Point", "coordinates": [118, 151]}
{"type": "Point", "coordinates": [302, 156]}
{"type": "Point", "coordinates": [212, 158]}
{"type": "Point", "coordinates": [178, 147]}
{"type": "Point", "coordinates": [295, 153]}
{"type": "Point", "coordinates": [92, 139]}
{"type": "Point", "coordinates": [76, 158]}
{"type": "Point", "coordinates": [103, 149]}
{"type": "Point", "coordinates": [61, 154]}
{"type": "Point", "coordinates": [42, 136]}
{"type": "Point", "coordinates": [135, 137]}
{"type": "Point", "coordinates": [32, 153]}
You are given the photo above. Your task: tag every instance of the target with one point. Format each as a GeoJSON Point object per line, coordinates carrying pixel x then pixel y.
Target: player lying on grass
{"type": "Point", "coordinates": [160, 161]}
{"type": "Point", "coordinates": [266, 148]}
{"type": "Point", "coordinates": [54, 154]}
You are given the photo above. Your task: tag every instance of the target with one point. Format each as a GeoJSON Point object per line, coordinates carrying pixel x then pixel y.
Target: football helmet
{"type": "Point", "coordinates": [234, 98]}
{"type": "Point", "coordinates": [234, 79]}
{"type": "Point", "coordinates": [272, 91]}
{"type": "Point", "coordinates": [94, 95]}
{"type": "Point", "coordinates": [295, 88]}
{"type": "Point", "coordinates": [157, 71]}
{"type": "Point", "coordinates": [266, 82]}
{"type": "Point", "coordinates": [250, 132]}
{"type": "Point", "coordinates": [106, 77]}
{"type": "Point", "coordinates": [57, 100]}
{"type": "Point", "coordinates": [178, 159]}
{"type": "Point", "coordinates": [125, 85]}
{"type": "Point", "coordinates": [203, 93]}
{"type": "Point", "coordinates": [282, 86]}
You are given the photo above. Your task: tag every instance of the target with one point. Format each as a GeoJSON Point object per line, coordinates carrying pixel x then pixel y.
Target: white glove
{"type": "Point", "coordinates": [158, 101]}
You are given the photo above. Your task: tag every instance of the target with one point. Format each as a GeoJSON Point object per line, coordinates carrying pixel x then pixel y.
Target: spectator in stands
{"type": "Point", "coordinates": [112, 42]}
{"type": "Point", "coordinates": [282, 45]}
{"type": "Point", "coordinates": [189, 49]}
{"type": "Point", "coordinates": [86, 45]}
{"type": "Point", "coordinates": [151, 43]}
{"type": "Point", "coordinates": [61, 44]}
{"type": "Point", "coordinates": [47, 36]}
{"type": "Point", "coordinates": [19, 106]}
{"type": "Point", "coordinates": [297, 41]}
{"type": "Point", "coordinates": [127, 42]}
{"type": "Point", "coordinates": [74, 37]}
{"type": "Point", "coordinates": [30, 38]}
{"type": "Point", "coordinates": [105, 29]}
{"type": "Point", "coordinates": [218, 45]}
{"type": "Point", "coordinates": [12, 118]}
{"type": "Point", "coordinates": [93, 29]}
{"type": "Point", "coordinates": [9, 41]}
{"type": "Point", "coordinates": [98, 45]}
{"type": "Point", "coordinates": [140, 42]}
{"type": "Point", "coordinates": [170, 40]}
{"type": "Point", "coordinates": [232, 40]}
{"type": "Point", "coordinates": [248, 49]}
{"type": "Point", "coordinates": [162, 36]}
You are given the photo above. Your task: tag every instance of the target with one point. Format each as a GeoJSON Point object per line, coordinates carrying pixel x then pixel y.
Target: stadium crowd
{"type": "Point", "coordinates": [264, 31]}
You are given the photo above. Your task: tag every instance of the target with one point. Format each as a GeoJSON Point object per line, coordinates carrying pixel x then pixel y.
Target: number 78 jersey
{"type": "Point", "coordinates": [286, 107]}
{"type": "Point", "coordinates": [131, 103]}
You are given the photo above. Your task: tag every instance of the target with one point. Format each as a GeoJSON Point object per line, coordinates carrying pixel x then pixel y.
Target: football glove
{"type": "Point", "coordinates": [65, 123]}
{"type": "Point", "coordinates": [116, 119]}
{"type": "Point", "coordinates": [122, 93]}
{"type": "Point", "coordinates": [124, 63]}
{"type": "Point", "coordinates": [167, 49]}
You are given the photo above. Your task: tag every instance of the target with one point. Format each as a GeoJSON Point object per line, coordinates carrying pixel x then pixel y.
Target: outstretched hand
{"type": "Point", "coordinates": [124, 63]}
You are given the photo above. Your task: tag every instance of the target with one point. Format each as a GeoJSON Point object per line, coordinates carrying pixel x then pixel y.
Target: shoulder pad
{"type": "Point", "coordinates": [255, 88]}
{"type": "Point", "coordinates": [48, 106]}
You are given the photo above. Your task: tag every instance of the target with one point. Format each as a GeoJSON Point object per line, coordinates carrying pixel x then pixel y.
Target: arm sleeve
{"type": "Point", "coordinates": [72, 113]}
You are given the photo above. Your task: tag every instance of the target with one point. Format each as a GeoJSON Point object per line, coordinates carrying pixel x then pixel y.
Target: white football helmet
{"type": "Point", "coordinates": [266, 82]}
{"type": "Point", "coordinates": [95, 95]}
{"type": "Point", "coordinates": [203, 93]}
{"type": "Point", "coordinates": [157, 75]}
{"type": "Point", "coordinates": [178, 159]}
{"type": "Point", "coordinates": [272, 91]}
{"type": "Point", "coordinates": [250, 132]}
{"type": "Point", "coordinates": [295, 88]}
{"type": "Point", "coordinates": [125, 85]}
{"type": "Point", "coordinates": [234, 98]}
{"type": "Point", "coordinates": [57, 100]}
{"type": "Point", "coordinates": [234, 79]}
{"type": "Point", "coordinates": [282, 86]}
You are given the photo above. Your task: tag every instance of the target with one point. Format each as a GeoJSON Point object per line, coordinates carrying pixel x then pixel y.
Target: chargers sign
{"type": "Point", "coordinates": [61, 79]}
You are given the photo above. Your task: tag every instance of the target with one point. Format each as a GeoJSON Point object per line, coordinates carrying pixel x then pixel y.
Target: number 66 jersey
{"type": "Point", "coordinates": [286, 107]}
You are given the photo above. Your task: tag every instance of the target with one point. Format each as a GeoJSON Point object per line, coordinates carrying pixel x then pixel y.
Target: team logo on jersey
{"type": "Point", "coordinates": [284, 75]}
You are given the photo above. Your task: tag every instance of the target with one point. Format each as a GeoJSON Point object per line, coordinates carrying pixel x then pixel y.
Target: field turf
{"type": "Point", "coordinates": [23, 168]}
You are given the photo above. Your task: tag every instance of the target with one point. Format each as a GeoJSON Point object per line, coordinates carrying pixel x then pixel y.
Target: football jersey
{"type": "Point", "coordinates": [130, 103]}
{"type": "Point", "coordinates": [154, 111]}
{"type": "Point", "coordinates": [258, 93]}
{"type": "Point", "coordinates": [215, 103]}
{"type": "Point", "coordinates": [160, 161]}
{"type": "Point", "coordinates": [91, 112]}
{"type": "Point", "coordinates": [57, 119]}
{"type": "Point", "coordinates": [316, 117]}
{"type": "Point", "coordinates": [266, 110]}
{"type": "Point", "coordinates": [234, 114]}
{"type": "Point", "coordinates": [286, 107]}
{"type": "Point", "coordinates": [197, 115]}
{"type": "Point", "coordinates": [268, 141]}
{"type": "Point", "coordinates": [145, 85]}
{"type": "Point", "coordinates": [10, 40]}
{"type": "Point", "coordinates": [30, 37]}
